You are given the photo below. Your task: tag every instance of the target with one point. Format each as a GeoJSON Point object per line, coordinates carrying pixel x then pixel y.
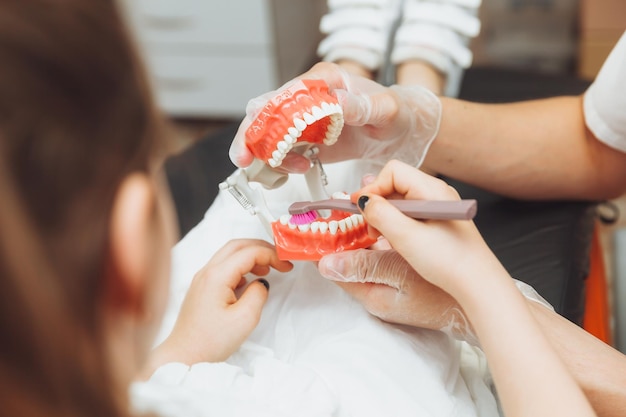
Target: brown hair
{"type": "Point", "coordinates": [76, 117]}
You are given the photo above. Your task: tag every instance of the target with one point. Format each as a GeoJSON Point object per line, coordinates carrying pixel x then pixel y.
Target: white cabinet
{"type": "Point", "coordinates": [207, 58]}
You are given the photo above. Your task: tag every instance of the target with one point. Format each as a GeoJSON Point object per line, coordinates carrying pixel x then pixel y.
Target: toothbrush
{"type": "Point", "coordinates": [304, 212]}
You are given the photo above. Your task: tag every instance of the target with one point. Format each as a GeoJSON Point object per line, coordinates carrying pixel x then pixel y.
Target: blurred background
{"type": "Point", "coordinates": [207, 58]}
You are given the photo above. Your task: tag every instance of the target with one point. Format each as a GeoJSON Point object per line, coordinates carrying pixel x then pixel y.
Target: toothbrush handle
{"type": "Point", "coordinates": [437, 210]}
{"type": "Point", "coordinates": [417, 209]}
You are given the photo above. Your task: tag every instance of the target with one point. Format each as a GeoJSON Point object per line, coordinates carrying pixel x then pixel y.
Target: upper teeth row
{"type": "Point", "coordinates": [332, 226]}
{"type": "Point", "coordinates": [331, 110]}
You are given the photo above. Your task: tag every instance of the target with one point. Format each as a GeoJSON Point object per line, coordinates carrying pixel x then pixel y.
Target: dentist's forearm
{"type": "Point", "coordinates": [598, 368]}
{"type": "Point", "coordinates": [532, 149]}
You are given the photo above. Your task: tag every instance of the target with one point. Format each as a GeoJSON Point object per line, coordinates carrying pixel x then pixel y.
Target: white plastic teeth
{"type": "Point", "coordinates": [333, 227]}
{"type": "Point", "coordinates": [340, 195]}
{"type": "Point", "coordinates": [330, 110]}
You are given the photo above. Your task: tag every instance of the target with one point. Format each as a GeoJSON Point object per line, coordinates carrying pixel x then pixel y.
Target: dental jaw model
{"type": "Point", "coordinates": [298, 119]}
{"type": "Point", "coordinates": [302, 114]}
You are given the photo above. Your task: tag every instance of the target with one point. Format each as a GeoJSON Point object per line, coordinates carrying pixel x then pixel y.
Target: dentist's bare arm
{"type": "Point", "coordinates": [598, 368]}
{"type": "Point", "coordinates": [533, 149]}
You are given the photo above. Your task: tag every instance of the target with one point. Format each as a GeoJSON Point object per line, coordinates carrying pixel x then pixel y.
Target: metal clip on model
{"type": "Point", "coordinates": [250, 199]}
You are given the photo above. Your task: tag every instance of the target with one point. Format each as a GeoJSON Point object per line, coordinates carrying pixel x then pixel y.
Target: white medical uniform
{"type": "Point", "coordinates": [605, 100]}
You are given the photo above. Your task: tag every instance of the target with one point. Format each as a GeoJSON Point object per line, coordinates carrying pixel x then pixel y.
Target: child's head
{"type": "Point", "coordinates": [82, 225]}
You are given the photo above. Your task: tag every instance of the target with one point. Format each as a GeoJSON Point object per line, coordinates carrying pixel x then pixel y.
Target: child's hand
{"type": "Point", "coordinates": [445, 252]}
{"type": "Point", "coordinates": [213, 322]}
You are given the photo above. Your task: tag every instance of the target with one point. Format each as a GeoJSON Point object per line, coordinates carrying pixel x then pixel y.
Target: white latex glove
{"type": "Point", "coordinates": [389, 288]}
{"type": "Point", "coordinates": [380, 123]}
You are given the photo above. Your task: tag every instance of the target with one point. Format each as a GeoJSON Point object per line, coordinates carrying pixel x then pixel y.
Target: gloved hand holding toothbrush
{"type": "Point", "coordinates": [435, 269]}
{"type": "Point", "coordinates": [389, 288]}
{"type": "Point", "coordinates": [380, 123]}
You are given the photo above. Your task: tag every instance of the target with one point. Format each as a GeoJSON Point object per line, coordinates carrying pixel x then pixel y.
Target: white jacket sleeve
{"type": "Point", "coordinates": [605, 101]}
{"type": "Point", "coordinates": [269, 388]}
{"type": "Point", "coordinates": [438, 32]}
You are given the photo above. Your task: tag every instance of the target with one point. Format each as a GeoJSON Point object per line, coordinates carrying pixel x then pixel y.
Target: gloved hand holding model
{"type": "Point", "coordinates": [398, 294]}
{"type": "Point", "coordinates": [380, 123]}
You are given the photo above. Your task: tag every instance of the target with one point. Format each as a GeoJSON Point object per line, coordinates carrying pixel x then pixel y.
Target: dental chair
{"type": "Point", "coordinates": [546, 244]}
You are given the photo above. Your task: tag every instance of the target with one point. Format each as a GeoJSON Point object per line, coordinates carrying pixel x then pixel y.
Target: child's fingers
{"type": "Point", "coordinates": [388, 220]}
{"type": "Point", "coordinates": [236, 245]}
{"type": "Point", "coordinates": [242, 282]}
{"type": "Point", "coordinates": [399, 178]}
{"type": "Point", "coordinates": [405, 234]}
{"type": "Point", "coordinates": [249, 259]}
{"type": "Point", "coordinates": [260, 270]}
{"type": "Point", "coordinates": [250, 304]}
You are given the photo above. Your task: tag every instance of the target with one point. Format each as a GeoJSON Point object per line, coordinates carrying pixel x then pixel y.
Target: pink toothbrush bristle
{"type": "Point", "coordinates": [304, 218]}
